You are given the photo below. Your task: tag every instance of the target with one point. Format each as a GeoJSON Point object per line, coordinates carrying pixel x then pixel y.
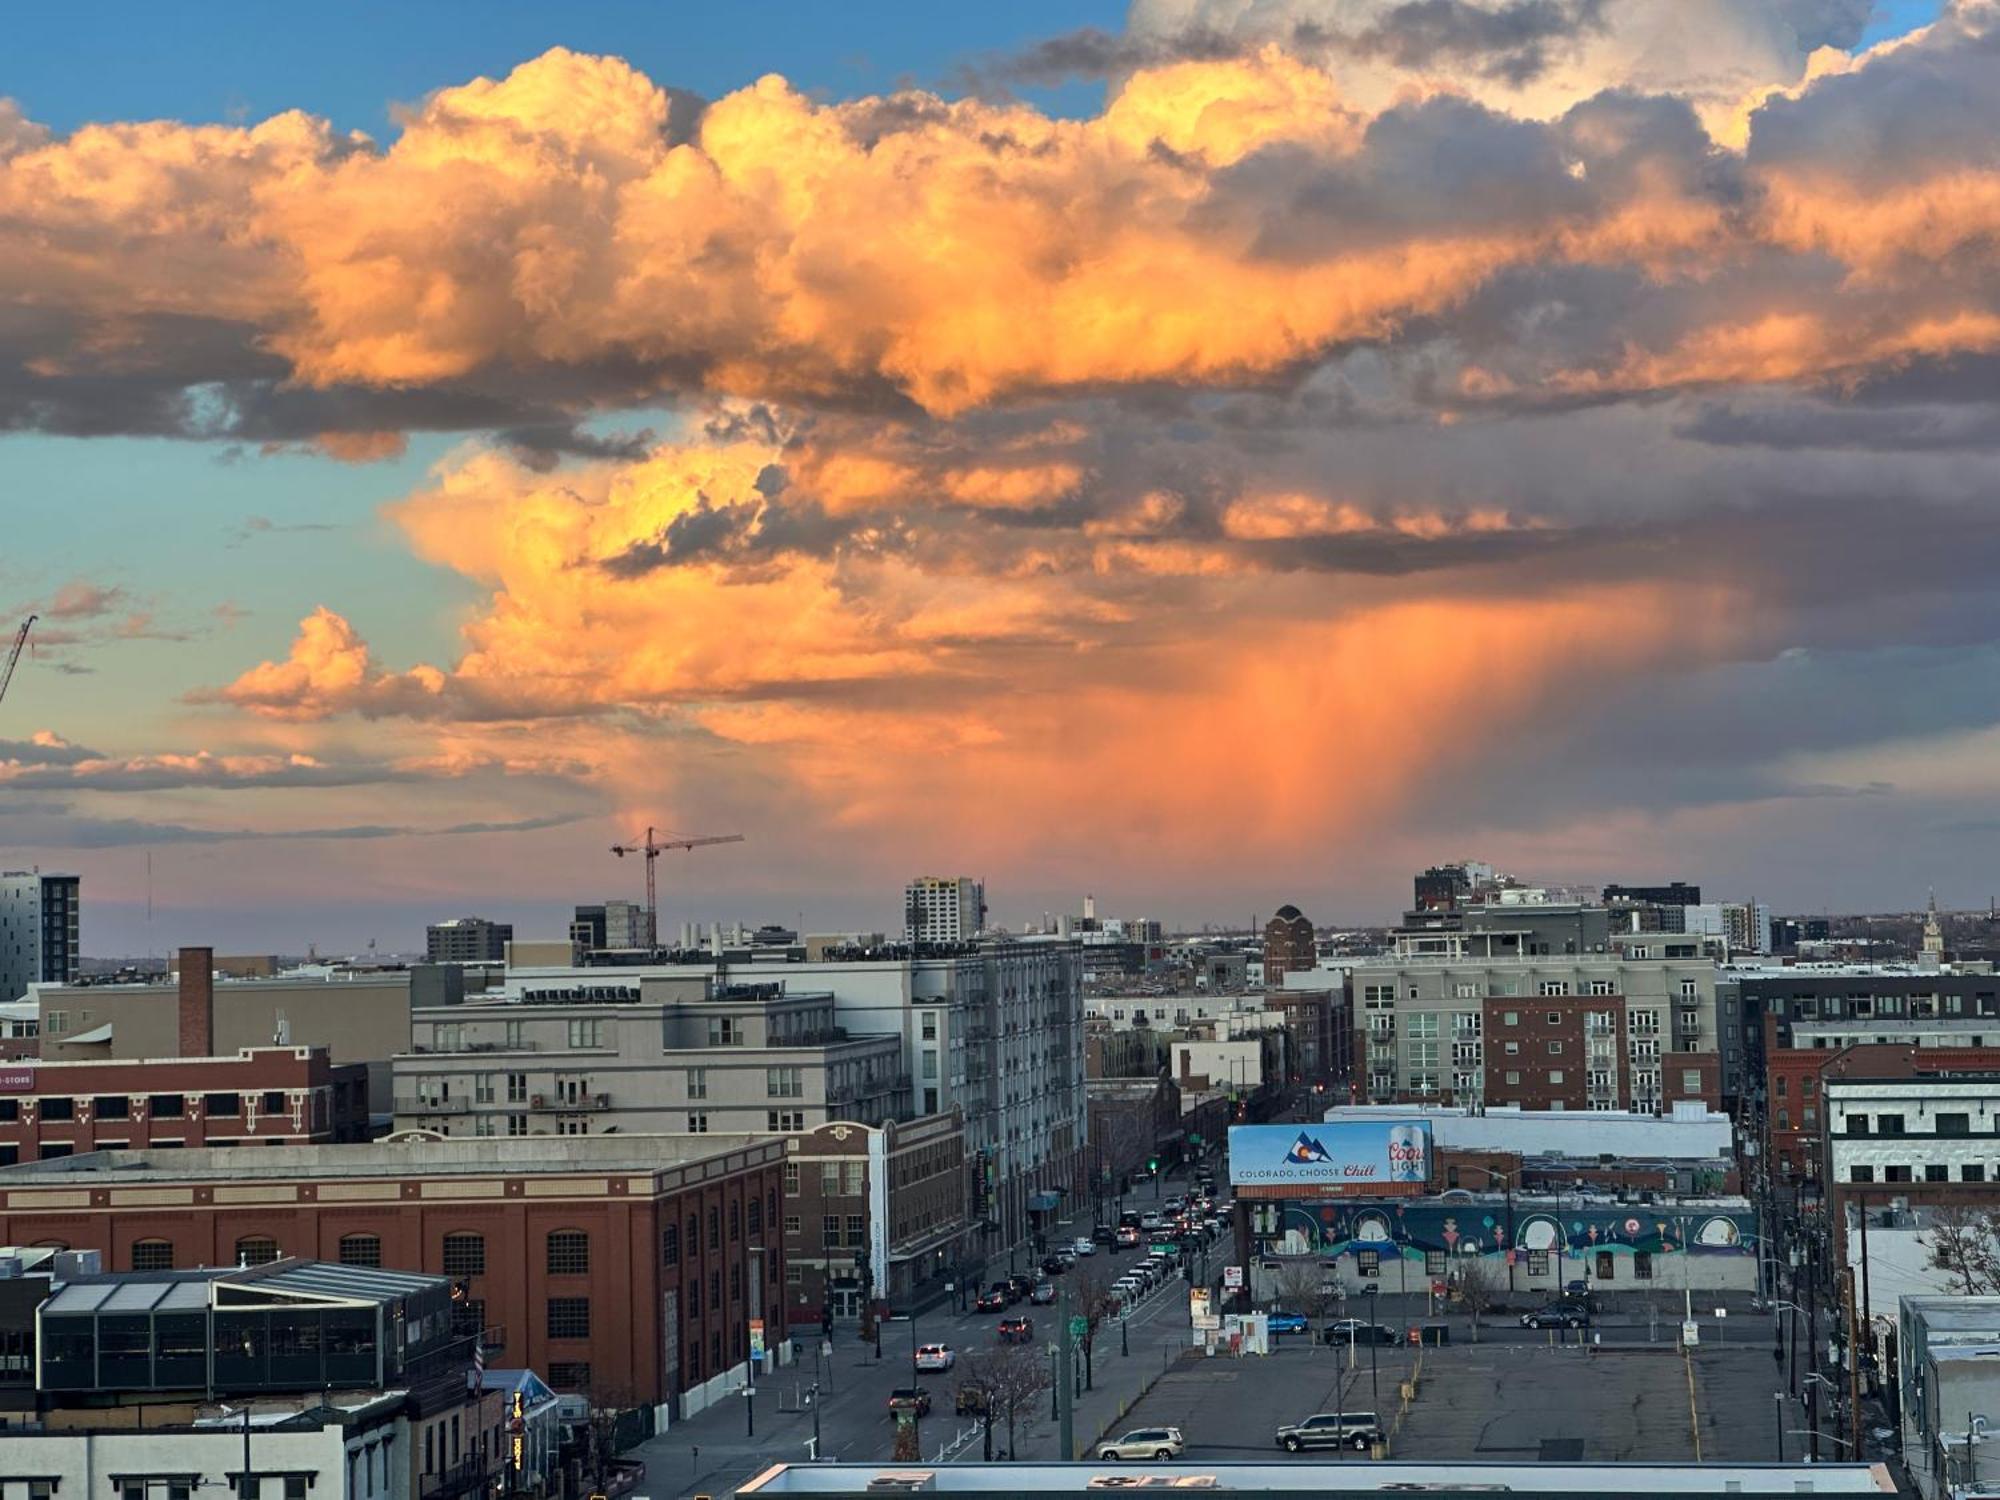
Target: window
{"type": "Point", "coordinates": [857, 1231]}
{"type": "Point", "coordinates": [1690, 1080]}
{"type": "Point", "coordinates": [517, 1088]}
{"type": "Point", "coordinates": [1860, 1173]}
{"type": "Point", "coordinates": [829, 1179]}
{"type": "Point", "coordinates": [829, 1231]}
{"type": "Point", "coordinates": [513, 1036]}
{"type": "Point", "coordinates": [1890, 1124]}
{"type": "Point", "coordinates": [572, 1375]}
{"type": "Point", "coordinates": [464, 1255]}
{"type": "Point", "coordinates": [1555, 1075]}
{"type": "Point", "coordinates": [58, 1109]}
{"type": "Point", "coordinates": [736, 1283]}
{"type": "Point", "coordinates": [1514, 1078]}
{"type": "Point", "coordinates": [1899, 1172]}
{"type": "Point", "coordinates": [1607, 1265]}
{"type": "Point", "coordinates": [791, 1224]}
{"type": "Point", "coordinates": [1511, 1018]}
{"type": "Point", "coordinates": [851, 1179]}
{"type": "Point", "coordinates": [697, 1122]}
{"type": "Point", "coordinates": [1857, 1124]}
{"type": "Point", "coordinates": [724, 1031]}
{"type": "Point", "coordinates": [115, 1107]}
{"type": "Point", "coordinates": [1555, 1049]}
{"type": "Point", "coordinates": [517, 1124]}
{"type": "Point", "coordinates": [586, 1033]}
{"type": "Point", "coordinates": [791, 1178]}
{"type": "Point", "coordinates": [274, 1102]}
{"type": "Point", "coordinates": [1513, 1049]}
{"type": "Point", "coordinates": [1937, 1172]}
{"type": "Point", "coordinates": [756, 1213]}
{"type": "Point", "coordinates": [1972, 1172]}
{"type": "Point", "coordinates": [735, 1222]}
{"type": "Point", "coordinates": [715, 1292]}
{"type": "Point", "coordinates": [568, 1252]}
{"type": "Point", "coordinates": [784, 1121]}
{"type": "Point", "coordinates": [569, 1317]}
{"type": "Point", "coordinates": [1553, 987]}
{"type": "Point", "coordinates": [1642, 1265]}
{"type": "Point", "coordinates": [153, 1255]}
{"type": "Point", "coordinates": [361, 1250]}
{"type": "Point", "coordinates": [714, 1228]}
{"type": "Point", "coordinates": [468, 1317]}
{"type": "Point", "coordinates": [167, 1106]}
{"type": "Point", "coordinates": [697, 1082]}
{"type": "Point", "coordinates": [1602, 987]}
{"type": "Point", "coordinates": [256, 1250]}
{"type": "Point", "coordinates": [1954, 1124]}
{"type": "Point", "coordinates": [1690, 990]}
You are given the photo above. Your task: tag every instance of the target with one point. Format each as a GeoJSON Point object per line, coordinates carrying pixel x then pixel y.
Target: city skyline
{"type": "Point", "coordinates": [1212, 455]}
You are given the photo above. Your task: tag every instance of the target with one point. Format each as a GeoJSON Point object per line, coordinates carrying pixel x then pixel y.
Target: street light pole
{"type": "Point", "coordinates": [1779, 1397]}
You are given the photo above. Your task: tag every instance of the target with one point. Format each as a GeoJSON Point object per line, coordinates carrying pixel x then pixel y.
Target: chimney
{"type": "Point", "coordinates": [197, 1002]}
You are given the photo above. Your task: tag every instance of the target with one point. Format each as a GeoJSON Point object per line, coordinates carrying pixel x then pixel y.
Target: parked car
{"type": "Point", "coordinates": [1016, 1330]}
{"type": "Point", "coordinates": [910, 1398]}
{"type": "Point", "coordinates": [1105, 1235]}
{"type": "Point", "coordinates": [1161, 1443]}
{"type": "Point", "coordinates": [1326, 1429]}
{"type": "Point", "coordinates": [1043, 1294]}
{"type": "Point", "coordinates": [1556, 1315]}
{"type": "Point", "coordinates": [1284, 1322]}
{"type": "Point", "coordinates": [1354, 1330]}
{"type": "Point", "coordinates": [935, 1358]}
{"type": "Point", "coordinates": [970, 1401]}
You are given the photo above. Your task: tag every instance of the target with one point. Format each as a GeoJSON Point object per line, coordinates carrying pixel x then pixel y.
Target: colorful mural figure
{"type": "Point", "coordinates": [1412, 1230]}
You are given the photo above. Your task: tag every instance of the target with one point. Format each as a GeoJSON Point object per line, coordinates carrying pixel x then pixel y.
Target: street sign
{"type": "Point", "coordinates": [1232, 1278]}
{"type": "Point", "coordinates": [1078, 1327]}
{"type": "Point", "coordinates": [1690, 1334]}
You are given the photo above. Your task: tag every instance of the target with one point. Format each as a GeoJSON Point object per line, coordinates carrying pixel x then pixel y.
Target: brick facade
{"type": "Point", "coordinates": [667, 1227]}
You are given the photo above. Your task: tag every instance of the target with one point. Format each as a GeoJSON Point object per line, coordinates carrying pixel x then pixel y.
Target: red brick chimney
{"type": "Point", "coordinates": [197, 1002]}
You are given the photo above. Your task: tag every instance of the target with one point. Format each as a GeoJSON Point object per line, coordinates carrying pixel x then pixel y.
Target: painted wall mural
{"type": "Point", "coordinates": [1482, 1229]}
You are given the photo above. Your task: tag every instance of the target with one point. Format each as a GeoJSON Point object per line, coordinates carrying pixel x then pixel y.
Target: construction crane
{"type": "Point", "coordinates": [14, 656]}
{"type": "Point", "coordinates": [653, 848]}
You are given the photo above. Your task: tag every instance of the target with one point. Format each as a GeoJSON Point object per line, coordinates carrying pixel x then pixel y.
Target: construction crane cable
{"type": "Point", "coordinates": [14, 656]}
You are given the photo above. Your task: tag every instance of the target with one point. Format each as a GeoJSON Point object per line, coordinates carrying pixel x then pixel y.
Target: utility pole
{"type": "Point", "coordinates": [1065, 1384]}
{"type": "Point", "coordinates": [1853, 1368]}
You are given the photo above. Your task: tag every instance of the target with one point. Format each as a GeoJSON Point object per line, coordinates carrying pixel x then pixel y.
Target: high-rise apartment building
{"type": "Point", "coordinates": [39, 917]}
{"type": "Point", "coordinates": [943, 909]}
{"type": "Point", "coordinates": [468, 940]}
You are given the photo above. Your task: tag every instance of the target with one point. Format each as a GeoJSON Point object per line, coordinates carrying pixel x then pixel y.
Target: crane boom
{"type": "Point", "coordinates": [14, 656]}
{"type": "Point", "coordinates": [653, 848]}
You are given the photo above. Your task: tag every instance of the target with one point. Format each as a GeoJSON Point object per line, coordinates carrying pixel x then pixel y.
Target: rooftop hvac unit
{"type": "Point", "coordinates": [10, 1268]}
{"type": "Point", "coordinates": [73, 1263]}
{"type": "Point", "coordinates": [907, 1482]}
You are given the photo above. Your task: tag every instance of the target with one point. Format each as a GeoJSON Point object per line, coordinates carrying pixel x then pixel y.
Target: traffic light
{"type": "Point", "coordinates": [1152, 1164]}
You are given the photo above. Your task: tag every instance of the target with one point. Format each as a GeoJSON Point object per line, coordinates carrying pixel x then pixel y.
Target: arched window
{"type": "Point", "coordinates": [465, 1254]}
{"type": "Point", "coordinates": [361, 1250]}
{"type": "Point", "coordinates": [735, 1222]}
{"type": "Point", "coordinates": [569, 1252]}
{"type": "Point", "coordinates": [153, 1255]}
{"type": "Point", "coordinates": [256, 1250]}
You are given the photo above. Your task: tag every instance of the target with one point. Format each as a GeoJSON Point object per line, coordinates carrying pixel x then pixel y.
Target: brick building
{"type": "Point", "coordinates": [1794, 1115]}
{"type": "Point", "coordinates": [1289, 946]}
{"type": "Point", "coordinates": [874, 1213]}
{"type": "Point", "coordinates": [277, 1096]}
{"type": "Point", "coordinates": [627, 1267]}
{"type": "Point", "coordinates": [1322, 1030]}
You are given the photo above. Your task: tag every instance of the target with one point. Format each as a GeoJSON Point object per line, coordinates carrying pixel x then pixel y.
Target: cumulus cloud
{"type": "Point", "coordinates": [328, 671]}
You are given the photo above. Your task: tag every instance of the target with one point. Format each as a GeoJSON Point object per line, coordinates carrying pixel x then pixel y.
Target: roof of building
{"type": "Point", "coordinates": [428, 1157]}
{"type": "Point", "coordinates": [1358, 1478]}
{"type": "Point", "coordinates": [192, 1290]}
{"type": "Point", "coordinates": [1694, 1135]}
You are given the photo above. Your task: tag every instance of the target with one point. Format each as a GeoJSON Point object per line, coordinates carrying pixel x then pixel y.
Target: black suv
{"type": "Point", "coordinates": [1557, 1315]}
{"type": "Point", "coordinates": [1104, 1234]}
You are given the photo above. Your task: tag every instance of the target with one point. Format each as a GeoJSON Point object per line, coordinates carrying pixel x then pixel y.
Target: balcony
{"type": "Point", "coordinates": [428, 1104]}
{"type": "Point", "coordinates": [569, 1101]}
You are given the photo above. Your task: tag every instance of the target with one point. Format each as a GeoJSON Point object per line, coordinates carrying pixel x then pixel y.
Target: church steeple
{"type": "Point", "coordinates": [1933, 929]}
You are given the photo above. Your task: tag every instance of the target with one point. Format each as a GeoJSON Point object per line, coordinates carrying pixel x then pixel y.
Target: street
{"type": "Point", "coordinates": [714, 1451]}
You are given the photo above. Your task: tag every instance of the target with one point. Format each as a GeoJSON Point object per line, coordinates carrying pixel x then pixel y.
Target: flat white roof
{"type": "Point", "coordinates": [1570, 1133]}
{"type": "Point", "coordinates": [1346, 1478]}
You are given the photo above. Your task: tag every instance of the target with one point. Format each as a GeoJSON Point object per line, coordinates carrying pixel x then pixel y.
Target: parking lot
{"type": "Point", "coordinates": [1507, 1398]}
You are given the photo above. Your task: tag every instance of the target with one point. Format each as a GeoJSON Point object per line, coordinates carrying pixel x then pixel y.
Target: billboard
{"type": "Point", "coordinates": [1351, 1157]}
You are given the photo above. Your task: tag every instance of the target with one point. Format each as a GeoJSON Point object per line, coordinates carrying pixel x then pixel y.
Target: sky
{"type": "Point", "coordinates": [1202, 453]}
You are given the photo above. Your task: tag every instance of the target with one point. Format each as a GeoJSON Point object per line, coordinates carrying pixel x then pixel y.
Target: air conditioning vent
{"type": "Point", "coordinates": [907, 1482]}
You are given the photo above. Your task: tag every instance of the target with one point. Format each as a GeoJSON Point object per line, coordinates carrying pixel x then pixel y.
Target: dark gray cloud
{"type": "Point", "coordinates": [50, 826]}
{"type": "Point", "coordinates": [40, 753]}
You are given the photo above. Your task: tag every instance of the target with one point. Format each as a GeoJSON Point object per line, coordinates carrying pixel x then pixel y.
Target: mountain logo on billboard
{"type": "Point", "coordinates": [1306, 1149]}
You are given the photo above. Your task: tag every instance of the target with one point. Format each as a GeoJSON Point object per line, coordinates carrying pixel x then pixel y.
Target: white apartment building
{"type": "Point", "coordinates": [943, 909]}
{"type": "Point", "coordinates": [1421, 1022]}
{"type": "Point", "coordinates": [39, 918]}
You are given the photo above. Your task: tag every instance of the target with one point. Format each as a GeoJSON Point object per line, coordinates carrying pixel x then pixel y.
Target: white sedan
{"type": "Point", "coordinates": [932, 1358]}
{"type": "Point", "coordinates": [1084, 1245]}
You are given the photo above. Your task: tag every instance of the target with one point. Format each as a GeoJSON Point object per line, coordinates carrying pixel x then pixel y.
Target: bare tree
{"type": "Point", "coordinates": [609, 1401]}
{"type": "Point", "coordinates": [1305, 1289]}
{"type": "Point", "coordinates": [1001, 1383]}
{"type": "Point", "coordinates": [1964, 1243]}
{"type": "Point", "coordinates": [1478, 1291]}
{"type": "Point", "coordinates": [1093, 1300]}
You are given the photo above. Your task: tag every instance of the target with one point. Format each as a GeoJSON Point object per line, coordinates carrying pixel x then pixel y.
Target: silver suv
{"type": "Point", "coordinates": [1160, 1443]}
{"type": "Point", "coordinates": [1326, 1429]}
